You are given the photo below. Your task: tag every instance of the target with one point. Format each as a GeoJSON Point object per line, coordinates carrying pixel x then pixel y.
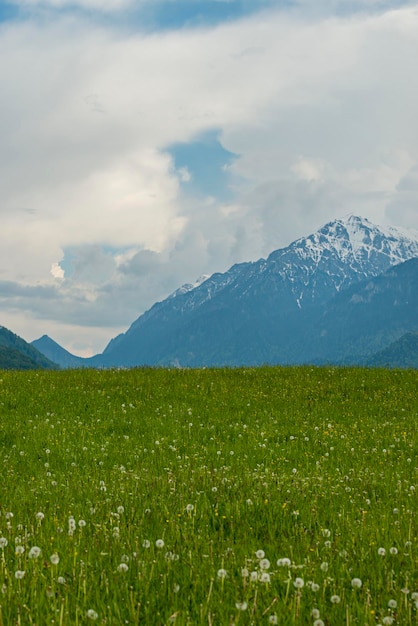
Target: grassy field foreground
{"type": "Point", "coordinates": [217, 497]}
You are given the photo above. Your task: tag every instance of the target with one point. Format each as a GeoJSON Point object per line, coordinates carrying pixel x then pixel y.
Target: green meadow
{"type": "Point", "coordinates": [216, 497]}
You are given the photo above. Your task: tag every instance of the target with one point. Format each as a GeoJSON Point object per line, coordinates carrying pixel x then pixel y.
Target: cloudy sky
{"type": "Point", "coordinates": [147, 142]}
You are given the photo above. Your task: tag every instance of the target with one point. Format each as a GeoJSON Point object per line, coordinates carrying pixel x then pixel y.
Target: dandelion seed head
{"type": "Point", "coordinates": [298, 583]}
{"type": "Point", "coordinates": [356, 583]}
{"type": "Point", "coordinates": [241, 606]}
{"type": "Point", "coordinates": [260, 554]}
{"type": "Point", "coordinates": [335, 599]}
{"type": "Point", "coordinates": [91, 614]}
{"type": "Point", "coordinates": [54, 558]}
{"type": "Point", "coordinates": [123, 567]}
{"type": "Point", "coordinates": [19, 574]}
{"type": "Point", "coordinates": [159, 543]}
{"type": "Point", "coordinates": [34, 552]}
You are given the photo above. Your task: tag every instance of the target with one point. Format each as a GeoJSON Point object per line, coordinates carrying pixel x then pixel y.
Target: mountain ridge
{"type": "Point", "coordinates": [257, 311]}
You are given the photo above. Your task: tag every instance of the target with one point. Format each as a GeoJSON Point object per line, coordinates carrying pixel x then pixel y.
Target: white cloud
{"type": "Point", "coordinates": [321, 111]}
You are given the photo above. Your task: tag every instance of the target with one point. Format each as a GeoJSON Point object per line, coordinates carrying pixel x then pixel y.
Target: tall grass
{"type": "Point", "coordinates": [217, 497]}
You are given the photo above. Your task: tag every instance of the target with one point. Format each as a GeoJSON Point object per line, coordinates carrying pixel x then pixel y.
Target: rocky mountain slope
{"type": "Point", "coordinates": [257, 312]}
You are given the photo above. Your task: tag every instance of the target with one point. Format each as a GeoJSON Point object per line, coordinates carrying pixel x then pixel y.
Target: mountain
{"type": "Point", "coordinates": [270, 310]}
{"type": "Point", "coordinates": [362, 319]}
{"type": "Point", "coordinates": [401, 353]}
{"type": "Point", "coordinates": [53, 351]}
{"type": "Point", "coordinates": [16, 353]}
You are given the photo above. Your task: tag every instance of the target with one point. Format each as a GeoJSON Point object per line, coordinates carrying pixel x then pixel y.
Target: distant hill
{"type": "Point", "coordinates": [402, 353]}
{"type": "Point", "coordinates": [16, 353]}
{"type": "Point", "coordinates": [53, 351]}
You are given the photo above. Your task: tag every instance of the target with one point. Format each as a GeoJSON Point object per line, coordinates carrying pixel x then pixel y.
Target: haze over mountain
{"type": "Point", "coordinates": [317, 300]}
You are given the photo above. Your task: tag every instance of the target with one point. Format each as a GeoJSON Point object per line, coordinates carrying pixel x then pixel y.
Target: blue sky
{"type": "Point", "coordinates": [146, 143]}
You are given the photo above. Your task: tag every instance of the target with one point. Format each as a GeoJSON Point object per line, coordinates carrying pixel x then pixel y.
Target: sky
{"type": "Point", "coordinates": [145, 143]}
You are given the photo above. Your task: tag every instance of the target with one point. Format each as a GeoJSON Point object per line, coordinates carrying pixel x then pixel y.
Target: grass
{"type": "Point", "coordinates": [217, 497]}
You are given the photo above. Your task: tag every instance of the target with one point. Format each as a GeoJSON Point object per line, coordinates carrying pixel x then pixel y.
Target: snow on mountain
{"type": "Point", "coordinates": [249, 313]}
{"type": "Point", "coordinates": [343, 251]}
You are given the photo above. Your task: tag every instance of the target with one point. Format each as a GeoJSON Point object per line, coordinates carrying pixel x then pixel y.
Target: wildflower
{"type": "Point", "coordinates": [40, 516]}
{"type": "Point", "coordinates": [265, 577]}
{"type": "Point", "coordinates": [81, 523]}
{"type": "Point", "coordinates": [241, 606]}
{"type": "Point", "coordinates": [91, 614]}
{"type": "Point", "coordinates": [273, 619]}
{"type": "Point", "coordinates": [61, 580]}
{"type": "Point", "coordinates": [123, 567]}
{"type": "Point", "coordinates": [189, 508]}
{"type": "Point", "coordinates": [299, 583]}
{"type": "Point", "coordinates": [326, 533]}
{"type": "Point", "coordinates": [54, 558]}
{"type": "Point", "coordinates": [264, 563]}
{"type": "Point", "coordinates": [19, 574]}
{"type": "Point", "coordinates": [284, 562]}
{"type": "Point", "coordinates": [34, 552]}
{"type": "Point", "coordinates": [335, 599]}
{"type": "Point", "coordinates": [146, 543]}
{"type": "Point", "coordinates": [71, 525]}
{"type": "Point", "coordinates": [381, 552]}
{"type": "Point", "coordinates": [318, 622]}
{"type": "Point", "coordinates": [244, 572]}
{"type": "Point", "coordinates": [392, 604]}
{"type": "Point", "coordinates": [315, 613]}
{"type": "Point", "coordinates": [253, 576]}
{"type": "Point", "coordinates": [324, 566]}
{"type": "Point", "coordinates": [393, 550]}
{"type": "Point", "coordinates": [3, 542]}
{"type": "Point", "coordinates": [20, 550]}
{"type": "Point", "coordinates": [222, 573]}
{"type": "Point", "coordinates": [159, 543]}
{"type": "Point", "coordinates": [356, 583]}
{"type": "Point", "coordinates": [387, 620]}
{"type": "Point", "coordinates": [314, 587]}
{"type": "Point", "coordinates": [260, 554]}
{"type": "Point", "coordinates": [176, 588]}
